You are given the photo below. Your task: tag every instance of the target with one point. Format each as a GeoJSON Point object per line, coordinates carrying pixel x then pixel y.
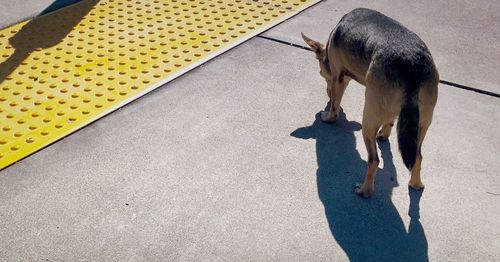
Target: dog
{"type": "Point", "coordinates": [400, 77]}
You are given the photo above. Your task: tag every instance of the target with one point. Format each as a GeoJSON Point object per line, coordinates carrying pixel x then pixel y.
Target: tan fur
{"type": "Point", "coordinates": [382, 105]}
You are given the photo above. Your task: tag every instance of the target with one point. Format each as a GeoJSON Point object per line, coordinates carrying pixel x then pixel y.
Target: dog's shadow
{"type": "Point", "coordinates": [367, 230]}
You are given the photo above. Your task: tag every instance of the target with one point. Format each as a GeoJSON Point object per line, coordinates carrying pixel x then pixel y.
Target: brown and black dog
{"type": "Point", "coordinates": [400, 77]}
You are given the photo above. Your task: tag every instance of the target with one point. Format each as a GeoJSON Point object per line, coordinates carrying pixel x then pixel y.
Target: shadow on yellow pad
{"type": "Point", "coordinates": [64, 70]}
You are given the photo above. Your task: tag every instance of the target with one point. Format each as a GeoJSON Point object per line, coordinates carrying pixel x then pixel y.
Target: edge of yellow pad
{"type": "Point", "coordinates": [166, 80]}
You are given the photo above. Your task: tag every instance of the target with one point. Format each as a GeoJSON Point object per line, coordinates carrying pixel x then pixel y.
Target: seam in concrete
{"type": "Point", "coordinates": [444, 82]}
{"type": "Point", "coordinates": [469, 88]}
{"type": "Point", "coordinates": [285, 43]}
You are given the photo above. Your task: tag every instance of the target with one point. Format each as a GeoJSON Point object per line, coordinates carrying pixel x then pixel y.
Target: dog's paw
{"type": "Point", "coordinates": [328, 117]}
{"type": "Point", "coordinates": [365, 192]}
{"type": "Point", "coordinates": [416, 186]}
{"type": "Point", "coordinates": [382, 137]}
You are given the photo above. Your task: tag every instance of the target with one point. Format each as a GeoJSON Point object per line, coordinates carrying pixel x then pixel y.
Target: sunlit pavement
{"type": "Point", "coordinates": [229, 162]}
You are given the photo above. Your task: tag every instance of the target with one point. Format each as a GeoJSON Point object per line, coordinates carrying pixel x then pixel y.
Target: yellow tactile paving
{"type": "Point", "coordinates": [64, 70]}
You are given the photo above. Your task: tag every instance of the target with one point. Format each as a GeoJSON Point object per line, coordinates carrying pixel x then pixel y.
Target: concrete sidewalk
{"type": "Point", "coordinates": [229, 163]}
{"type": "Point", "coordinates": [14, 11]}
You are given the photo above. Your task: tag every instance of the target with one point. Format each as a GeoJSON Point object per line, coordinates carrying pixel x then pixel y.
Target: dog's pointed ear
{"type": "Point", "coordinates": [316, 46]}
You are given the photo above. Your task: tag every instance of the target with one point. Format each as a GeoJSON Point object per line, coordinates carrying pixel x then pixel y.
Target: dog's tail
{"type": "Point", "coordinates": [408, 124]}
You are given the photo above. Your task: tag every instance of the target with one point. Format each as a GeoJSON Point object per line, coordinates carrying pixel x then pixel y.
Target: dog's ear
{"type": "Point", "coordinates": [316, 46]}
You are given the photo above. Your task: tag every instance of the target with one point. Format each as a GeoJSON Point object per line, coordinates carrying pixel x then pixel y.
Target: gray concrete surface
{"type": "Point", "coordinates": [463, 36]}
{"type": "Point", "coordinates": [14, 11]}
{"type": "Point", "coordinates": [229, 163]}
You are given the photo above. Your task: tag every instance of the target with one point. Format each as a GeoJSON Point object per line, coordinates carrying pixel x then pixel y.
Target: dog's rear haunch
{"type": "Point", "coordinates": [400, 78]}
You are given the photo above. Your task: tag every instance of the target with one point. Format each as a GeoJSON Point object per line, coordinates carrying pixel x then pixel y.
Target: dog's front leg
{"type": "Point", "coordinates": [329, 116]}
{"type": "Point", "coordinates": [335, 92]}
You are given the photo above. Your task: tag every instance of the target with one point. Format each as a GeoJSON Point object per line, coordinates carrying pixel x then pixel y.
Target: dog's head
{"type": "Point", "coordinates": [322, 56]}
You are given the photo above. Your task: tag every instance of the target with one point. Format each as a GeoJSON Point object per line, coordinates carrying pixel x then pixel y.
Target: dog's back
{"type": "Point", "coordinates": [386, 44]}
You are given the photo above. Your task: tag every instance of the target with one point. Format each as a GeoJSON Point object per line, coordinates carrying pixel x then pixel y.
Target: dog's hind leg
{"type": "Point", "coordinates": [416, 180]}
{"type": "Point", "coordinates": [427, 98]}
{"type": "Point", "coordinates": [369, 136]}
{"type": "Point", "coordinates": [371, 124]}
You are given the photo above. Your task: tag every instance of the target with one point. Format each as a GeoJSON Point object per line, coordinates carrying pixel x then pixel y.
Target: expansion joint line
{"type": "Point", "coordinates": [444, 82]}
